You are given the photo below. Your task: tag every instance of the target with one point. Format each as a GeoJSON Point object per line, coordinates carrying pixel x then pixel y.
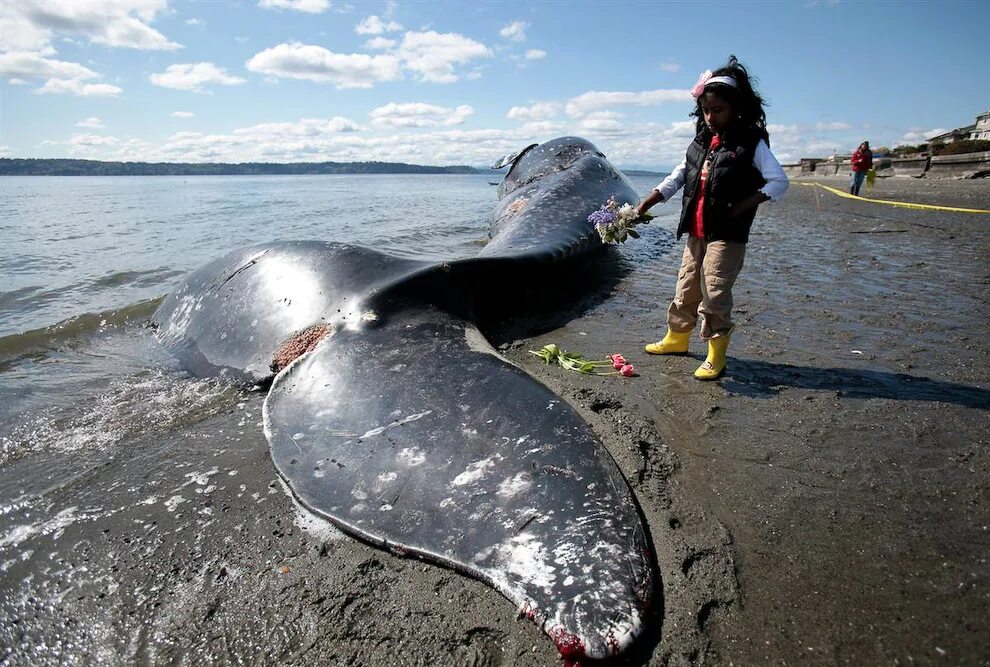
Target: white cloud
{"type": "Point", "coordinates": [193, 76]}
{"type": "Point", "coordinates": [545, 129]}
{"type": "Point", "coordinates": [595, 100]}
{"type": "Point", "coordinates": [195, 21]}
{"type": "Point", "coordinates": [374, 25]}
{"type": "Point", "coordinates": [833, 126]}
{"type": "Point", "coordinates": [425, 134]}
{"type": "Point", "coordinates": [31, 24]}
{"type": "Point", "coordinates": [92, 122]}
{"type": "Point", "coordinates": [182, 114]}
{"type": "Point", "coordinates": [775, 129]}
{"type": "Point", "coordinates": [535, 54]}
{"type": "Point", "coordinates": [419, 114]}
{"type": "Point", "coordinates": [314, 63]}
{"type": "Point", "coordinates": [670, 67]}
{"type": "Point", "coordinates": [309, 140]}
{"type": "Point", "coordinates": [380, 43]}
{"type": "Point", "coordinates": [77, 87]}
{"type": "Point", "coordinates": [602, 122]}
{"type": "Point", "coordinates": [27, 65]}
{"type": "Point", "coordinates": [432, 56]}
{"type": "Point", "coordinates": [86, 143]}
{"type": "Point", "coordinates": [516, 31]}
{"type": "Point", "coordinates": [6, 150]}
{"type": "Point", "coordinates": [307, 6]}
{"type": "Point", "coordinates": [535, 112]}
{"type": "Point", "coordinates": [306, 127]}
{"type": "Point", "coordinates": [918, 136]}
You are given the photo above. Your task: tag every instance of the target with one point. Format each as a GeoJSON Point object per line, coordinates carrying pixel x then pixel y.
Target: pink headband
{"type": "Point", "coordinates": [707, 79]}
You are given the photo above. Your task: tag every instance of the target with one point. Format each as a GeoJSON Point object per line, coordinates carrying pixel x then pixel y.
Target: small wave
{"type": "Point", "coordinates": [147, 402]}
{"type": "Point", "coordinates": [136, 278]}
{"type": "Point", "coordinates": [37, 342]}
{"type": "Point", "coordinates": [31, 296]}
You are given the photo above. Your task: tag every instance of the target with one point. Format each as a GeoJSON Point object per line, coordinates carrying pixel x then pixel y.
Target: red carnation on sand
{"type": "Point", "coordinates": [574, 361]}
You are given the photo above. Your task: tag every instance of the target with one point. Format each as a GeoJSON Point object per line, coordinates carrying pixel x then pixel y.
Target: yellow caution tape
{"type": "Point", "coordinates": [901, 204]}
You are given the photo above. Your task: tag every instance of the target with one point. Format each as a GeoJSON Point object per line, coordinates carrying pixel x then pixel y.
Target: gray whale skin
{"type": "Point", "coordinates": [406, 429]}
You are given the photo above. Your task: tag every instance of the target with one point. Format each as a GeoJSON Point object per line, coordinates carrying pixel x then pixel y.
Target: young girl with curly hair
{"type": "Point", "coordinates": [727, 172]}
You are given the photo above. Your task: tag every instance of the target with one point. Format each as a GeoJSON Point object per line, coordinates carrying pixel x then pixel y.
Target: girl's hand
{"type": "Point", "coordinates": [739, 208]}
{"type": "Point", "coordinates": [649, 201]}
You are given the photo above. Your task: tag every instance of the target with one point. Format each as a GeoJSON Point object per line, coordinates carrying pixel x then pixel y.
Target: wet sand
{"type": "Point", "coordinates": [827, 502]}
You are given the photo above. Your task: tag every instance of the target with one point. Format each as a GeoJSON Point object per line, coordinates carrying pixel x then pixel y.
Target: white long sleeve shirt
{"type": "Point", "coordinates": [763, 159]}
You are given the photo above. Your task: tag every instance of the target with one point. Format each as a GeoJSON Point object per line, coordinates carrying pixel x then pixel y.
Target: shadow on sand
{"type": "Point", "coordinates": [544, 299]}
{"type": "Point", "coordinates": [763, 379]}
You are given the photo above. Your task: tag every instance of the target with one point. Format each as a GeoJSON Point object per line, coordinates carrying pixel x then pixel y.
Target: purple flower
{"type": "Point", "coordinates": [603, 216]}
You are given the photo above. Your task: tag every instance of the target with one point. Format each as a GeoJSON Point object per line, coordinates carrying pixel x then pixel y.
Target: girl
{"type": "Point", "coordinates": [727, 172]}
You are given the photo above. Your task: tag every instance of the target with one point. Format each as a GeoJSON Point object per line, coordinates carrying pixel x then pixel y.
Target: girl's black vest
{"type": "Point", "coordinates": [731, 178]}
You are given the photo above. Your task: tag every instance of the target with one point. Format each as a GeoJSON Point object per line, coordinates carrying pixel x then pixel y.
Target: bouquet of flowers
{"type": "Point", "coordinates": [615, 223]}
{"type": "Point", "coordinates": [572, 361]}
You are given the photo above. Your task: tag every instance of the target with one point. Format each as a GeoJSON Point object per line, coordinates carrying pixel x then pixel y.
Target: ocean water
{"type": "Point", "coordinates": [84, 261]}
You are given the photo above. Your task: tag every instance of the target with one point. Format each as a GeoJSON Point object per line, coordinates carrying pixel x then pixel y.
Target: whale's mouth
{"type": "Point", "coordinates": [298, 345]}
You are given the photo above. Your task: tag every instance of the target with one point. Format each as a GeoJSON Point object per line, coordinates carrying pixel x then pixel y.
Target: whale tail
{"type": "Point", "coordinates": [415, 435]}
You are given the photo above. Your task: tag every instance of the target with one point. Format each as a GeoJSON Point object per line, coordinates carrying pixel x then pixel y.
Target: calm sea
{"type": "Point", "coordinates": [84, 261]}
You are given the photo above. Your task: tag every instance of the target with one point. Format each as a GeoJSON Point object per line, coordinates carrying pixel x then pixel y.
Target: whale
{"type": "Point", "coordinates": [389, 413]}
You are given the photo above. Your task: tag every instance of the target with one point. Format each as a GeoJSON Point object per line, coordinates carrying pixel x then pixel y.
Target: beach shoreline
{"type": "Point", "coordinates": [824, 503]}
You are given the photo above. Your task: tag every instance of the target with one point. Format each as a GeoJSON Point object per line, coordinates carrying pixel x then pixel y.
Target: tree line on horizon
{"type": "Point", "coordinates": [76, 167]}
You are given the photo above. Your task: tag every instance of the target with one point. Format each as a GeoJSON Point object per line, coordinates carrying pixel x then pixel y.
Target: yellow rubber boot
{"type": "Point", "coordinates": [672, 343]}
{"type": "Point", "coordinates": [714, 365]}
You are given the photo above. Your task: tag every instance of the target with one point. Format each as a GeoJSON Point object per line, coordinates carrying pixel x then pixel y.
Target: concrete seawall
{"type": "Point", "coordinates": [965, 165]}
{"type": "Point", "coordinates": [909, 166]}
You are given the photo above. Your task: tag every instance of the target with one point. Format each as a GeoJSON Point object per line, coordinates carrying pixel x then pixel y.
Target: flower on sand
{"type": "Point", "coordinates": [573, 361]}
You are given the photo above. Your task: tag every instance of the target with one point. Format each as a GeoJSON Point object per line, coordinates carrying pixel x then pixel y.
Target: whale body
{"type": "Point", "coordinates": [399, 423]}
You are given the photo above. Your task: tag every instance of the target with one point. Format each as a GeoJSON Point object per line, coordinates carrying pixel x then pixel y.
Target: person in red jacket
{"type": "Point", "coordinates": [862, 162]}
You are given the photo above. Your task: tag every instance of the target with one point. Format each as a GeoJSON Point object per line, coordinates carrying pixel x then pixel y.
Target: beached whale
{"type": "Point", "coordinates": [392, 416]}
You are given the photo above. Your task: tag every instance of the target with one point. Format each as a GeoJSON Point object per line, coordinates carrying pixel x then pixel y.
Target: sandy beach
{"type": "Point", "coordinates": [826, 502]}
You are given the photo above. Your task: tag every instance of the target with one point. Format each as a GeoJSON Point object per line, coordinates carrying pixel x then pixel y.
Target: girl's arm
{"type": "Point", "coordinates": [776, 180]}
{"type": "Point", "coordinates": [665, 190]}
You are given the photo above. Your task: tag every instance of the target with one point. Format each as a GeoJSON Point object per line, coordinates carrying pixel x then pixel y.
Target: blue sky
{"type": "Point", "coordinates": [466, 82]}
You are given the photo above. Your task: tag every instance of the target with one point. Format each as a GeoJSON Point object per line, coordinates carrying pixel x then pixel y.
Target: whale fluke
{"type": "Point", "coordinates": [415, 435]}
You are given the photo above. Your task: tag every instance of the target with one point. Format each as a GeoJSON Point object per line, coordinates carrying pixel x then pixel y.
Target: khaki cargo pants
{"type": "Point", "coordinates": [704, 287]}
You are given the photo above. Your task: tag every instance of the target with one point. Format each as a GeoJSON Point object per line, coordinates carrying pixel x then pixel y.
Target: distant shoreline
{"type": "Point", "coordinates": [74, 167]}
